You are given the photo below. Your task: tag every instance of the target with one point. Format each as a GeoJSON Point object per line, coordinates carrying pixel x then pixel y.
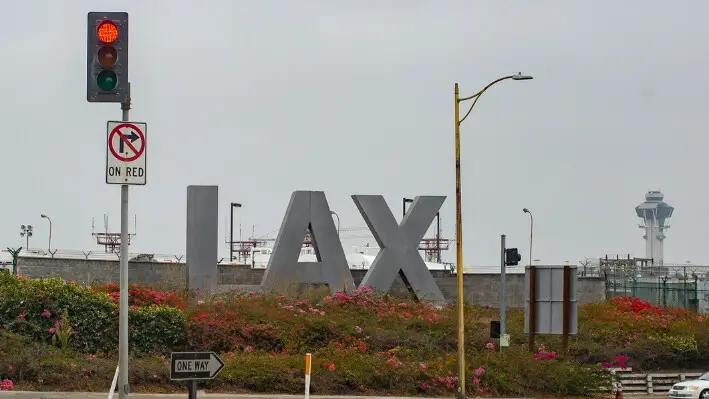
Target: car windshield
{"type": "Point", "coordinates": [705, 377]}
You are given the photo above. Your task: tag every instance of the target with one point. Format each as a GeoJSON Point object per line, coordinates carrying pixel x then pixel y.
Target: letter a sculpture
{"type": "Point", "coordinates": [308, 210]}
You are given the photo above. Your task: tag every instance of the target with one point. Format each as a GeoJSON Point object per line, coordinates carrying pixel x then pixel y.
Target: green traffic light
{"type": "Point", "coordinates": [106, 80]}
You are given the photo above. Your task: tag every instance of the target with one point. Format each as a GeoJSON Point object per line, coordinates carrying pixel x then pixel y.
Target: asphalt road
{"type": "Point", "coordinates": [97, 395]}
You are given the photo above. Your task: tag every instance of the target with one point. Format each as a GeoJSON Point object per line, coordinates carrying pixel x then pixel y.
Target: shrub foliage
{"type": "Point", "coordinates": [362, 343]}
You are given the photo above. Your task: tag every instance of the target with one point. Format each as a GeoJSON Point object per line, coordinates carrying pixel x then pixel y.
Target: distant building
{"type": "Point", "coordinates": [655, 215]}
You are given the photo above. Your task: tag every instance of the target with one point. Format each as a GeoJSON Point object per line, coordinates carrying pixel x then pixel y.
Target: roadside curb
{"type": "Point", "coordinates": [101, 395]}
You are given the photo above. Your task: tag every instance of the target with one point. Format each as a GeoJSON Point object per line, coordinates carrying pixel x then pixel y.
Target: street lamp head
{"type": "Point", "coordinates": [519, 76]}
{"type": "Point", "coordinates": [43, 215]}
{"type": "Point", "coordinates": [525, 210]}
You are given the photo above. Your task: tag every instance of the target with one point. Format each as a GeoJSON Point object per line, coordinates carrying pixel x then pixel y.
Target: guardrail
{"type": "Point", "coordinates": [651, 383]}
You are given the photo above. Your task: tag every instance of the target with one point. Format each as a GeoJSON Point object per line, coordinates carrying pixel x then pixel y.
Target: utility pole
{"type": "Point", "coordinates": [503, 294]}
{"type": "Point", "coordinates": [438, 236]}
{"type": "Point", "coordinates": [231, 229]}
{"type": "Point", "coordinates": [108, 82]}
{"type": "Point", "coordinates": [459, 221]}
{"type": "Point", "coordinates": [124, 387]}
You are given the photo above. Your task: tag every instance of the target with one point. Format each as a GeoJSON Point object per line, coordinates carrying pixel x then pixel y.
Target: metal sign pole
{"type": "Point", "coordinates": [565, 308]}
{"type": "Point", "coordinates": [532, 320]}
{"type": "Point", "coordinates": [503, 294]}
{"type": "Point", "coordinates": [192, 387]}
{"type": "Point", "coordinates": [123, 384]}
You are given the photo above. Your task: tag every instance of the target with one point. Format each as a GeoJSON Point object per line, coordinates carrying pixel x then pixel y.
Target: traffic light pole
{"type": "Point", "coordinates": [123, 385]}
{"type": "Point", "coordinates": [503, 294]}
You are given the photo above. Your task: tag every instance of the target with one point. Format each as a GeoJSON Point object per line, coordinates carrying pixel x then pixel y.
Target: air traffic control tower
{"type": "Point", "coordinates": [655, 214]}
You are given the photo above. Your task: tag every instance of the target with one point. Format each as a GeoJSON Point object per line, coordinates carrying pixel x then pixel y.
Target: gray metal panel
{"type": "Point", "coordinates": [93, 92]}
{"type": "Point", "coordinates": [549, 285]}
{"type": "Point", "coordinates": [307, 209]}
{"type": "Point", "coordinates": [202, 238]}
{"type": "Point", "coordinates": [399, 244]}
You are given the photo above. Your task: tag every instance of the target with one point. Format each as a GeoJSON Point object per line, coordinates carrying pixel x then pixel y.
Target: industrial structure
{"type": "Point", "coordinates": [111, 241]}
{"type": "Point", "coordinates": [246, 252]}
{"type": "Point", "coordinates": [655, 214]}
{"type": "Point", "coordinates": [252, 251]}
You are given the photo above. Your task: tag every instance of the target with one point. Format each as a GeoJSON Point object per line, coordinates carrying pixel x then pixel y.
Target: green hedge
{"type": "Point", "coordinates": [32, 307]}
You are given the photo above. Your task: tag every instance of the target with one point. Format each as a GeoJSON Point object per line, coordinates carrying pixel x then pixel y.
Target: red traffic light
{"type": "Point", "coordinates": [107, 32]}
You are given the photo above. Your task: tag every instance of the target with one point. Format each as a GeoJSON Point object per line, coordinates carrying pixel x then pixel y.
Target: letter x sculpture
{"type": "Point", "coordinates": [398, 245]}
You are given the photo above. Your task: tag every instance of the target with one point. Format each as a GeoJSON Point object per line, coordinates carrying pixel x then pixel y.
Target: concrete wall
{"type": "Point", "coordinates": [480, 289]}
{"type": "Point", "coordinates": [168, 275]}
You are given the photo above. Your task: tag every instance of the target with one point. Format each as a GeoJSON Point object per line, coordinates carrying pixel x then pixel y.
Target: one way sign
{"type": "Point", "coordinates": [194, 365]}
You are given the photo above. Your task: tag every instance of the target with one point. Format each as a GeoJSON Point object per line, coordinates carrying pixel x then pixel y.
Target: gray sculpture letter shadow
{"type": "Point", "coordinates": [307, 210]}
{"type": "Point", "coordinates": [398, 245]}
{"type": "Point", "coordinates": [202, 271]}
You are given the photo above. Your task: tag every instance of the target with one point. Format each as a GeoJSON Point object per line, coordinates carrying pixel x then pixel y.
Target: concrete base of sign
{"type": "Point", "coordinates": [202, 238]}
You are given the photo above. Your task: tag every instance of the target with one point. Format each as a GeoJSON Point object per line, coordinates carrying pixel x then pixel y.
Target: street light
{"type": "Point", "coordinates": [338, 221]}
{"type": "Point", "coordinates": [531, 232]}
{"type": "Point", "coordinates": [26, 231]}
{"type": "Point", "coordinates": [49, 247]}
{"type": "Point", "coordinates": [438, 227]}
{"type": "Point", "coordinates": [231, 230]}
{"type": "Point", "coordinates": [403, 206]}
{"type": "Point", "coordinates": [459, 222]}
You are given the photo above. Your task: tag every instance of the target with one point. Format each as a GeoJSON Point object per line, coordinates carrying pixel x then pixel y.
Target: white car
{"type": "Point", "coordinates": [694, 389]}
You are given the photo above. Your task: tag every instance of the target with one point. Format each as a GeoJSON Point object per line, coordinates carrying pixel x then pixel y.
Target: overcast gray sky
{"type": "Point", "coordinates": [266, 97]}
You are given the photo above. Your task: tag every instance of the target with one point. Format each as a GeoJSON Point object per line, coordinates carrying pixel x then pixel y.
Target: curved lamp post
{"type": "Point", "coordinates": [531, 232]}
{"type": "Point", "coordinates": [50, 231]}
{"type": "Point", "coordinates": [333, 213]}
{"type": "Point", "coordinates": [458, 222]}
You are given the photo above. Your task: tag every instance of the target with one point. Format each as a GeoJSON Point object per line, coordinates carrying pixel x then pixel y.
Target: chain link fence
{"type": "Point", "coordinates": [674, 286]}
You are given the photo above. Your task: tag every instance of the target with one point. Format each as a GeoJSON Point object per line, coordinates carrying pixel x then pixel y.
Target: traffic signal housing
{"type": "Point", "coordinates": [107, 57]}
{"type": "Point", "coordinates": [512, 257]}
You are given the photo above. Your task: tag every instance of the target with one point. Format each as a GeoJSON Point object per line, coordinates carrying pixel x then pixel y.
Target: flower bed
{"type": "Point", "coordinates": [361, 343]}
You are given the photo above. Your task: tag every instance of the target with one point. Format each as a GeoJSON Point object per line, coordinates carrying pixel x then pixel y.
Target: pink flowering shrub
{"type": "Point", "coordinates": [362, 342]}
{"type": "Point", "coordinates": [6, 385]}
{"type": "Point", "coordinates": [141, 296]}
{"type": "Point", "coordinates": [542, 354]}
{"type": "Point", "coordinates": [620, 361]}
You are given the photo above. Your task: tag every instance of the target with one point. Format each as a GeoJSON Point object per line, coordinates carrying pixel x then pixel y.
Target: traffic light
{"type": "Point", "coordinates": [107, 57]}
{"type": "Point", "coordinates": [512, 257]}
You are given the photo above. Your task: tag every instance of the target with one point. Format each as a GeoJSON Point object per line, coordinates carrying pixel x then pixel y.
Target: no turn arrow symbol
{"type": "Point", "coordinates": [132, 137]}
{"type": "Point", "coordinates": [124, 135]}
